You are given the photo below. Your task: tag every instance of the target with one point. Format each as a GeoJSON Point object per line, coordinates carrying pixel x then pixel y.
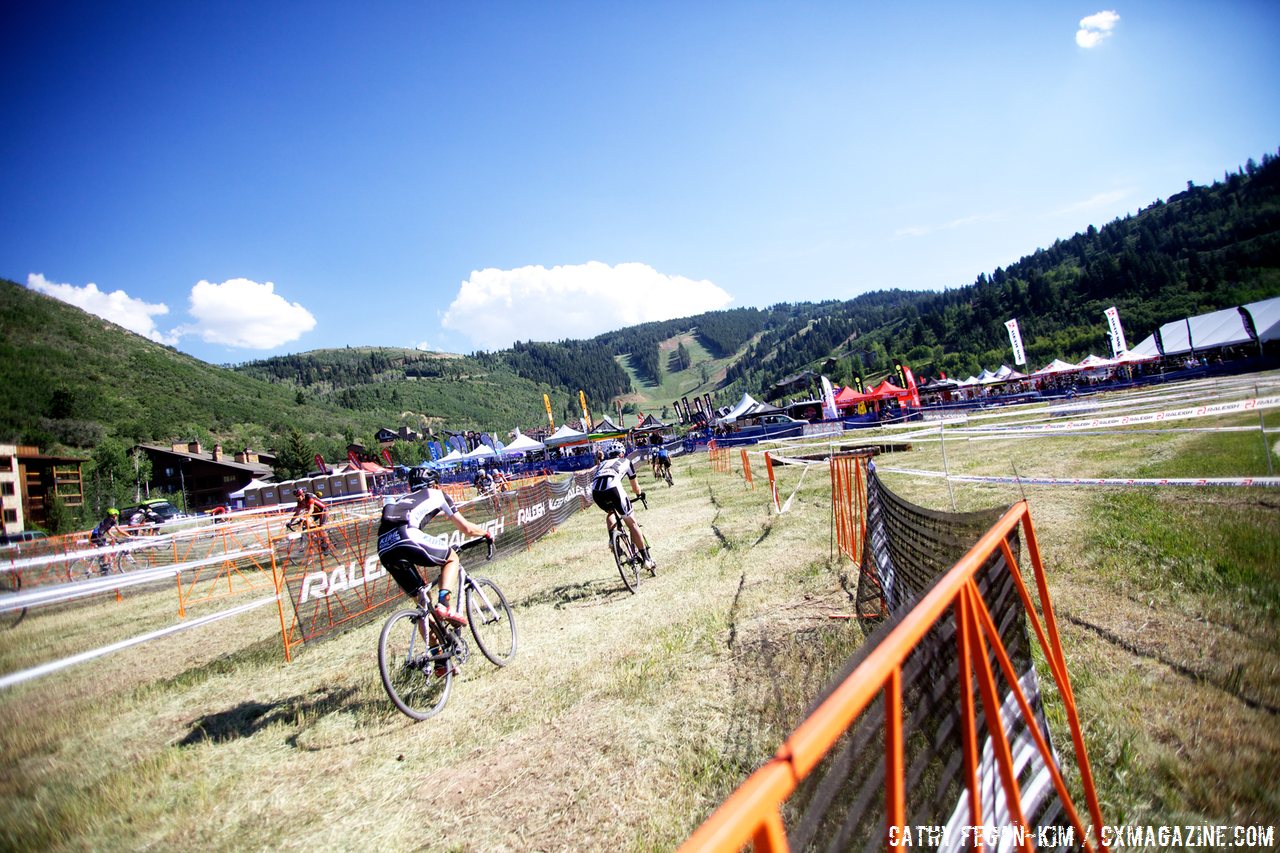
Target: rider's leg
{"type": "Point", "coordinates": [448, 580]}
{"type": "Point", "coordinates": [637, 539]}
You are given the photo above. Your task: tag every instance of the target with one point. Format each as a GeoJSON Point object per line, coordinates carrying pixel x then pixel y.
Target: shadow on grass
{"type": "Point", "coordinates": [583, 594]}
{"type": "Point", "coordinates": [249, 718]}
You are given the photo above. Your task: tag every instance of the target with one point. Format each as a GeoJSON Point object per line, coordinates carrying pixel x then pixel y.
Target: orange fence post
{"type": "Point", "coordinates": [773, 485]}
{"type": "Point", "coordinates": [746, 469]}
{"type": "Point", "coordinates": [895, 794]}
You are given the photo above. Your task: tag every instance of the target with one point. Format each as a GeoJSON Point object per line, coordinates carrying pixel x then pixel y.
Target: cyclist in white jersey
{"type": "Point", "coordinates": [606, 491]}
{"type": "Point", "coordinates": [403, 546]}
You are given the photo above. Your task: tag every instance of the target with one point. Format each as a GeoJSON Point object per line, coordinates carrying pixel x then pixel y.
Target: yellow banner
{"type": "Point", "coordinates": [586, 416]}
{"type": "Point", "coordinates": [546, 400]}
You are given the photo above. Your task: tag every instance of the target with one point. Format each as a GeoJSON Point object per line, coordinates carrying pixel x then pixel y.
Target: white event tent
{"type": "Point", "coordinates": [523, 444]}
{"type": "Point", "coordinates": [565, 435]}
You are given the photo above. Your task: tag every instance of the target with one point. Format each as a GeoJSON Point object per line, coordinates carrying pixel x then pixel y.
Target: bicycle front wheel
{"type": "Point", "coordinates": [10, 584]}
{"type": "Point", "coordinates": [624, 554]}
{"type": "Point", "coordinates": [491, 621]}
{"type": "Point", "coordinates": [408, 666]}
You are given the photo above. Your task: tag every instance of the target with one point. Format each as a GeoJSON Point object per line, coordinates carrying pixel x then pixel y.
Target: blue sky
{"type": "Point", "coordinates": [243, 179]}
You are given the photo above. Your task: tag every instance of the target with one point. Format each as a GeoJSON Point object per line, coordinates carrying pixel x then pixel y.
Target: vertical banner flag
{"type": "Point", "coordinates": [353, 459]}
{"type": "Point", "coordinates": [829, 410]}
{"type": "Point", "coordinates": [687, 412]}
{"type": "Point", "coordinates": [706, 398]}
{"type": "Point", "coordinates": [897, 369]}
{"type": "Point", "coordinates": [546, 401]}
{"type": "Point", "coordinates": [586, 416]}
{"type": "Point", "coordinates": [386, 454]}
{"type": "Point", "coordinates": [1015, 338]}
{"type": "Point", "coordinates": [1118, 346]}
{"type": "Point", "coordinates": [912, 387]}
{"type": "Point", "coordinates": [320, 466]}
{"type": "Point", "coordinates": [857, 383]}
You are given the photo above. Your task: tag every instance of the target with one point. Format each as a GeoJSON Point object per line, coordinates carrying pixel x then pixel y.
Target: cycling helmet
{"type": "Point", "coordinates": [299, 493]}
{"type": "Point", "coordinates": [421, 478]}
{"type": "Point", "coordinates": [614, 448]}
{"type": "Point", "coordinates": [113, 511]}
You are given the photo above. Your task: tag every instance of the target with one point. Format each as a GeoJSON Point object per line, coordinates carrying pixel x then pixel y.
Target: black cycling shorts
{"type": "Point", "coordinates": [404, 549]}
{"type": "Point", "coordinates": [612, 500]}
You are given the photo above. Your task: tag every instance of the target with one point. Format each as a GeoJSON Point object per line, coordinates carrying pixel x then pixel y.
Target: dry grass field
{"type": "Point", "coordinates": [626, 718]}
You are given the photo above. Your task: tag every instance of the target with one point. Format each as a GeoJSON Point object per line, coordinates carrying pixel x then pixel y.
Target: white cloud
{"type": "Point", "coordinates": [1096, 201]}
{"type": "Point", "coordinates": [497, 307]}
{"type": "Point", "coordinates": [962, 222]}
{"type": "Point", "coordinates": [118, 307]}
{"type": "Point", "coordinates": [1096, 28]}
{"type": "Point", "coordinates": [242, 313]}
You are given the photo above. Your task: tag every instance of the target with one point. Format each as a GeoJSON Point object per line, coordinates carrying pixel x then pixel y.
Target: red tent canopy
{"type": "Point", "coordinates": [887, 389]}
{"type": "Point", "coordinates": [849, 396]}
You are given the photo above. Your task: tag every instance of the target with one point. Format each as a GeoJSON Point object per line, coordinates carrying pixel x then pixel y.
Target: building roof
{"type": "Point", "coordinates": [228, 460]}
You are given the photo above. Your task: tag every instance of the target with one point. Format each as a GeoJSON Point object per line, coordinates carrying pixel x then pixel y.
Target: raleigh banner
{"type": "Point", "coordinates": [1015, 338]}
{"type": "Point", "coordinates": [1118, 346]}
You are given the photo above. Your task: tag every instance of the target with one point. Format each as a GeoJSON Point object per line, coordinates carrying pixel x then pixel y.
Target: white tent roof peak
{"type": "Point", "coordinates": [747, 402]}
{"type": "Point", "coordinates": [523, 444]}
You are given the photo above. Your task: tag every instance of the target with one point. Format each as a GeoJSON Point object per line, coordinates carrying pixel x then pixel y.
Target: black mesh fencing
{"type": "Point", "coordinates": [841, 804]}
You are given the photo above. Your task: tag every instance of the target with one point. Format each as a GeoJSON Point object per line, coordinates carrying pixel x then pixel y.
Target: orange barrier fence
{"type": "Point", "coordinates": [719, 456]}
{"type": "Point", "coordinates": [746, 470]}
{"type": "Point", "coordinates": [325, 584]}
{"type": "Point", "coordinates": [989, 790]}
{"type": "Point", "coordinates": [322, 591]}
{"type": "Point", "coordinates": [848, 503]}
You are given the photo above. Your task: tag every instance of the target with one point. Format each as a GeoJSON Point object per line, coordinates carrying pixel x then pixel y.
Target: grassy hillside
{"type": "Point", "coordinates": [705, 375]}
{"type": "Point", "coordinates": [69, 378]}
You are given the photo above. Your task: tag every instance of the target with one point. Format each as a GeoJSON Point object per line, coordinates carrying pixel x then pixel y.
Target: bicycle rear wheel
{"type": "Point", "coordinates": [491, 621]}
{"type": "Point", "coordinates": [624, 554]}
{"type": "Point", "coordinates": [408, 666]}
{"type": "Point", "coordinates": [666, 475]}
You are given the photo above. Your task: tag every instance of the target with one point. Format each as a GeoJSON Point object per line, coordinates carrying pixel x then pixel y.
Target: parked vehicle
{"type": "Point", "coordinates": [154, 512]}
{"type": "Point", "coordinates": [21, 536]}
{"type": "Point", "coordinates": [778, 420]}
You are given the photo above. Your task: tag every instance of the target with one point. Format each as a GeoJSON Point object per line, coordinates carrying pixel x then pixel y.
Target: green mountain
{"type": "Point", "coordinates": [71, 380]}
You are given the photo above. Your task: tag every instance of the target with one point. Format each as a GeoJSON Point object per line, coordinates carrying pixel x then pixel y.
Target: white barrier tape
{"type": "Point", "coordinates": [1271, 482]}
{"type": "Point", "coordinates": [1016, 433]}
{"type": "Point", "coordinates": [793, 460]}
{"type": "Point", "coordinates": [786, 507]}
{"type": "Point", "coordinates": [1205, 411]}
{"type": "Point", "coordinates": [71, 590]}
{"type": "Point", "coordinates": [1200, 390]}
{"type": "Point", "coordinates": [47, 668]}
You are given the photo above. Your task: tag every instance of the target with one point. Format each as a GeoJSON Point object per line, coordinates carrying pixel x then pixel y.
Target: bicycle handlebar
{"type": "Point", "coordinates": [641, 497]}
{"type": "Point", "coordinates": [473, 542]}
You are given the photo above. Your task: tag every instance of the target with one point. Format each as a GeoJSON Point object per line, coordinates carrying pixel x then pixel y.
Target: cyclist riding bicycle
{"type": "Point", "coordinates": [661, 459]}
{"type": "Point", "coordinates": [105, 531]}
{"type": "Point", "coordinates": [606, 491]}
{"type": "Point", "coordinates": [314, 512]}
{"type": "Point", "coordinates": [405, 550]}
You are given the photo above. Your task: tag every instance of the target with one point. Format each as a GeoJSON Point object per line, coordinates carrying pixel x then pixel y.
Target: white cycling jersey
{"type": "Point", "coordinates": [610, 473]}
{"type": "Point", "coordinates": [416, 509]}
